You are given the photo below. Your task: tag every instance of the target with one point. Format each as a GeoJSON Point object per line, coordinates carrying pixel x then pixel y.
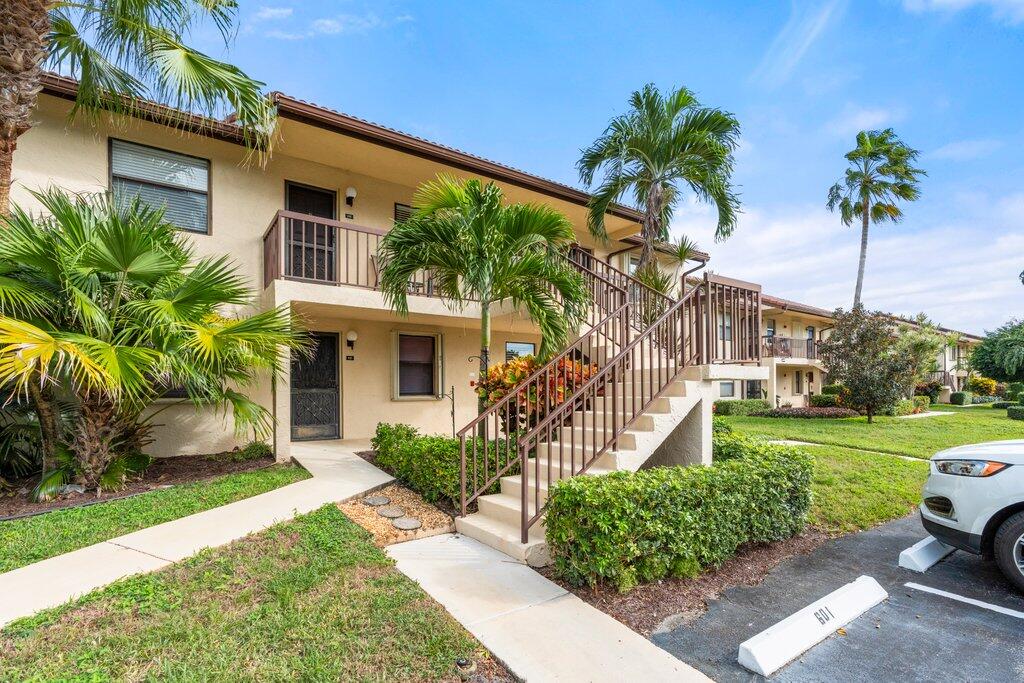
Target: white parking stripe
{"type": "Point", "coordinates": [970, 601]}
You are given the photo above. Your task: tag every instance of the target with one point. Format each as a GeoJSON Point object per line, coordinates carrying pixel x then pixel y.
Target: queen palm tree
{"type": "Point", "coordinates": [479, 249]}
{"type": "Point", "coordinates": [122, 54]}
{"type": "Point", "coordinates": [881, 173]}
{"type": "Point", "coordinates": [108, 306]}
{"type": "Point", "coordinates": [662, 145]}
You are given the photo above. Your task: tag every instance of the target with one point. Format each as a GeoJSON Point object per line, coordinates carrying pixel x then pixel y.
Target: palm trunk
{"type": "Point", "coordinates": [24, 26]}
{"type": "Point", "coordinates": [650, 230]}
{"type": "Point", "coordinates": [49, 425]}
{"type": "Point", "coordinates": [485, 350]}
{"type": "Point", "coordinates": [863, 253]}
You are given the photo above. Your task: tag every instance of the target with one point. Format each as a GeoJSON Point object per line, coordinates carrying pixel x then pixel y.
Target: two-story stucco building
{"type": "Point", "coordinates": [303, 229]}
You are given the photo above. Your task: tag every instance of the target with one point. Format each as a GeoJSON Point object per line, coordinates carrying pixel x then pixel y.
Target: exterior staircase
{"type": "Point", "coordinates": [647, 402]}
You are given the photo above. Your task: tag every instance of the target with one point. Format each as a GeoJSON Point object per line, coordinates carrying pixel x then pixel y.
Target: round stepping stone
{"type": "Point", "coordinates": [406, 523]}
{"type": "Point", "coordinates": [376, 501]}
{"type": "Point", "coordinates": [391, 512]}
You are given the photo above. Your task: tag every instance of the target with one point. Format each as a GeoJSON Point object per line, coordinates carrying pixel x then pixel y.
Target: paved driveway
{"type": "Point", "coordinates": [913, 636]}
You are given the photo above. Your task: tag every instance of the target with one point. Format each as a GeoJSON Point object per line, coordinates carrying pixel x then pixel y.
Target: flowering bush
{"type": "Point", "coordinates": [535, 400]}
{"type": "Point", "coordinates": [981, 386]}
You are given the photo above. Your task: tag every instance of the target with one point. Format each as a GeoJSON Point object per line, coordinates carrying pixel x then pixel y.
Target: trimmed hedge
{"type": "Point", "coordinates": [1015, 412]}
{"type": "Point", "coordinates": [825, 401]}
{"type": "Point", "coordinates": [626, 528]}
{"type": "Point", "coordinates": [1003, 404]}
{"type": "Point", "coordinates": [904, 406]}
{"type": "Point", "coordinates": [922, 402]}
{"type": "Point", "coordinates": [741, 406]}
{"type": "Point", "coordinates": [833, 389]}
{"type": "Point", "coordinates": [810, 412]}
{"type": "Point", "coordinates": [960, 398]}
{"type": "Point", "coordinates": [429, 465]}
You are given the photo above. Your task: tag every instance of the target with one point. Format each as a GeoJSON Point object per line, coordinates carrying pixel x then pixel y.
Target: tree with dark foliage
{"type": "Point", "coordinates": [863, 354]}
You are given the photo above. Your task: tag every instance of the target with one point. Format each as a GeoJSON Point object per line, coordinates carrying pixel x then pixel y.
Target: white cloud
{"type": "Point", "coordinates": [342, 24]}
{"type": "Point", "coordinates": [852, 120]}
{"type": "Point", "coordinates": [269, 13]}
{"type": "Point", "coordinates": [1010, 11]}
{"type": "Point", "coordinates": [965, 150]}
{"type": "Point", "coordinates": [962, 273]}
{"type": "Point", "coordinates": [804, 27]}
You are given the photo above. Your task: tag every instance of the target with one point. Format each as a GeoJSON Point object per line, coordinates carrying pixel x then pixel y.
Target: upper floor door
{"type": "Point", "coordinates": [311, 245]}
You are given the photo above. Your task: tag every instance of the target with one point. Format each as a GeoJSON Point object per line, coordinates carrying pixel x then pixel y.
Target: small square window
{"type": "Point", "coordinates": [176, 183]}
{"type": "Point", "coordinates": [403, 212]}
{"type": "Point", "coordinates": [727, 389]}
{"type": "Point", "coordinates": [519, 349]}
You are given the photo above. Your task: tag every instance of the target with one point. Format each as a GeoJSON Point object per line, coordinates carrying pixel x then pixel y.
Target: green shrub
{"type": "Point", "coordinates": [1014, 390]}
{"type": "Point", "coordinates": [904, 406]}
{"type": "Point", "coordinates": [982, 386]}
{"type": "Point", "coordinates": [833, 389]}
{"type": "Point", "coordinates": [922, 403]}
{"type": "Point", "coordinates": [960, 398]}
{"type": "Point", "coordinates": [1015, 412]}
{"type": "Point", "coordinates": [389, 436]}
{"type": "Point", "coordinates": [1003, 404]}
{"type": "Point", "coordinates": [811, 413]}
{"type": "Point", "coordinates": [825, 401]}
{"type": "Point", "coordinates": [630, 527]}
{"type": "Point", "coordinates": [741, 406]}
{"type": "Point", "coordinates": [720, 426]}
{"type": "Point", "coordinates": [254, 450]}
{"type": "Point", "coordinates": [432, 465]}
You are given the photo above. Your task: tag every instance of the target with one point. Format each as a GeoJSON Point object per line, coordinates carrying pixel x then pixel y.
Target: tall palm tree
{"type": "Point", "coordinates": [107, 304]}
{"type": "Point", "coordinates": [663, 144]}
{"type": "Point", "coordinates": [881, 173]}
{"type": "Point", "coordinates": [122, 53]}
{"type": "Point", "coordinates": [478, 249]}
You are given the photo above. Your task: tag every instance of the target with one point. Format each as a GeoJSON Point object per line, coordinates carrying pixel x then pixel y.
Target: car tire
{"type": "Point", "coordinates": [1008, 554]}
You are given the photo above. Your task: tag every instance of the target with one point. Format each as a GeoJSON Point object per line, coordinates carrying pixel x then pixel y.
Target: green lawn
{"type": "Point", "coordinates": [309, 600]}
{"type": "Point", "coordinates": [856, 490]}
{"type": "Point", "coordinates": [24, 541]}
{"type": "Point", "coordinates": [920, 438]}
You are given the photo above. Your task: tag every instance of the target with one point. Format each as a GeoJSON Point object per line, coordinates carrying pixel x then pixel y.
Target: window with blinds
{"type": "Point", "coordinates": [403, 212]}
{"type": "Point", "coordinates": [417, 365]}
{"type": "Point", "coordinates": [175, 182]}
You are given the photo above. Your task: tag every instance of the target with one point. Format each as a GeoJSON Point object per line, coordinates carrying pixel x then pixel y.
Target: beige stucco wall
{"type": "Point", "coordinates": [243, 200]}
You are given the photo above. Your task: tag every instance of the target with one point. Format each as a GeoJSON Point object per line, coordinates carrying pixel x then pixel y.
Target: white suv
{"type": "Point", "coordinates": [974, 500]}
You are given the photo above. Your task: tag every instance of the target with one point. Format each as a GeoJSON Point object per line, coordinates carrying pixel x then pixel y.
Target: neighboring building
{"type": "Point", "coordinates": [304, 230]}
{"type": "Point", "coordinates": [790, 333]}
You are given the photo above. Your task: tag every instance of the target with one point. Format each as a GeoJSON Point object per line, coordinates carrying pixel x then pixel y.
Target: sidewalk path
{"type": "Point", "coordinates": [338, 474]}
{"type": "Point", "coordinates": [540, 631]}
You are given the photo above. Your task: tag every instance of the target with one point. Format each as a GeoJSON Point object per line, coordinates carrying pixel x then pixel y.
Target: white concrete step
{"type": "Point", "coordinates": [603, 420]}
{"type": "Point", "coordinates": [589, 435]}
{"type": "Point", "coordinates": [505, 537]}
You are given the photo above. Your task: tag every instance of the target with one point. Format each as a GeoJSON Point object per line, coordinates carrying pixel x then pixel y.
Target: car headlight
{"type": "Point", "coordinates": [970, 468]}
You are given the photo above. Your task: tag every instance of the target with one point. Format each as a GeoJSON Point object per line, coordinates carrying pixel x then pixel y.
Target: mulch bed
{"type": "Point", "coordinates": [383, 531]}
{"type": "Point", "coordinates": [164, 472]}
{"type": "Point", "coordinates": [444, 505]}
{"type": "Point", "coordinates": [653, 607]}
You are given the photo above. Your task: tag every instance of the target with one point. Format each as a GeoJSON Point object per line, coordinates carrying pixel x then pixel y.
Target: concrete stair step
{"type": "Point", "coordinates": [601, 420]}
{"type": "Point", "coordinates": [588, 436]}
{"type": "Point", "coordinates": [505, 537]}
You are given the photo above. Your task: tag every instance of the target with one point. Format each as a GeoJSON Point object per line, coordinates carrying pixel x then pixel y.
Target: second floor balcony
{"type": "Point", "coordinates": [324, 251]}
{"type": "Point", "coordinates": [774, 346]}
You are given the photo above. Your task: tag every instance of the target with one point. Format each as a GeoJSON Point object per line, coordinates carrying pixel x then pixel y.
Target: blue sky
{"type": "Point", "coordinates": [529, 84]}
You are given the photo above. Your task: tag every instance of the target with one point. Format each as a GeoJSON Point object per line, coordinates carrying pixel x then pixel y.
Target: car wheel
{"type": "Point", "coordinates": [1009, 549]}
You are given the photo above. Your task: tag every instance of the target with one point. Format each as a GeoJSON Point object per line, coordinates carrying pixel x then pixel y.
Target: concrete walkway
{"type": "Point", "coordinates": [927, 413]}
{"type": "Point", "coordinates": [338, 474]}
{"type": "Point", "coordinates": [540, 631]}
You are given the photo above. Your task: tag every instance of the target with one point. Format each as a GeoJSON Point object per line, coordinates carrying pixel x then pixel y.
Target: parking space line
{"type": "Point", "coordinates": [970, 601]}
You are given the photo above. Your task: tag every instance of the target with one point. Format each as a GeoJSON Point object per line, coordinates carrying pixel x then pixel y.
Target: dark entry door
{"type": "Point", "coordinates": [315, 395]}
{"type": "Point", "coordinates": [311, 245]}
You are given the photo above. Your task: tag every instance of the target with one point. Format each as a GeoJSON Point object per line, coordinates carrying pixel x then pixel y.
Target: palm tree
{"type": "Point", "coordinates": [122, 53]}
{"type": "Point", "coordinates": [478, 249]}
{"type": "Point", "coordinates": [682, 250]}
{"type": "Point", "coordinates": [881, 172]}
{"type": "Point", "coordinates": [663, 144]}
{"type": "Point", "coordinates": [108, 306]}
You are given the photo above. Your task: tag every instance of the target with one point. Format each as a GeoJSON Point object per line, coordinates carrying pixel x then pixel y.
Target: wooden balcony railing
{"type": "Point", "coordinates": [789, 347]}
{"type": "Point", "coordinates": [308, 248]}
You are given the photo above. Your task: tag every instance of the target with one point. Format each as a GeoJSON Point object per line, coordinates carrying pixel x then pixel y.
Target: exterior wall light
{"type": "Point", "coordinates": [350, 339]}
{"type": "Point", "coordinates": [350, 196]}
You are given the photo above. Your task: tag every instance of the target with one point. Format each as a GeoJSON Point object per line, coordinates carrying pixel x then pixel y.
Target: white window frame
{"type": "Point", "coordinates": [438, 366]}
{"type": "Point", "coordinates": [732, 389]}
